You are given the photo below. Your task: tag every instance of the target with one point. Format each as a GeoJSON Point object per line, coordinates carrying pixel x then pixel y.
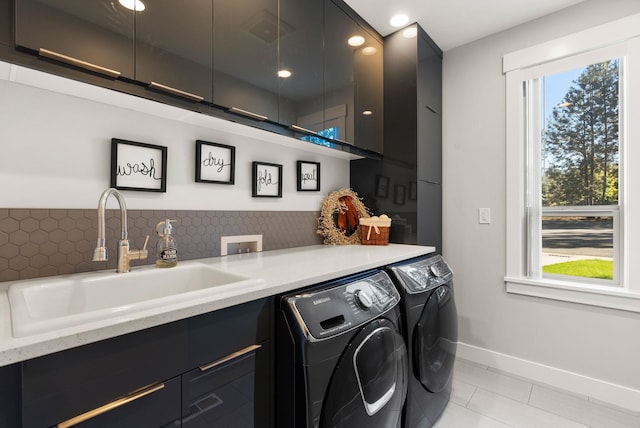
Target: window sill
{"type": "Point", "coordinates": [593, 295]}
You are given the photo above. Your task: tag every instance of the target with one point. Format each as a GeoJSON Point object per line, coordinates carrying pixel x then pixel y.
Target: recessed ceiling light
{"type": "Point", "coordinates": [284, 73]}
{"type": "Point", "coordinates": [399, 20]}
{"type": "Point", "coordinates": [410, 33]}
{"type": "Point", "coordinates": [369, 50]}
{"type": "Point", "coordinates": [355, 41]}
{"type": "Point", "coordinates": [135, 5]}
{"type": "Point", "coordinates": [367, 113]}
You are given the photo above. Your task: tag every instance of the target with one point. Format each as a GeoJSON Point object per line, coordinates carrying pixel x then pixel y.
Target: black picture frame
{"type": "Point", "coordinates": [215, 163]}
{"type": "Point", "coordinates": [413, 191]}
{"type": "Point", "coordinates": [134, 166]}
{"type": "Point", "coordinates": [308, 176]}
{"type": "Point", "coordinates": [382, 186]}
{"type": "Point", "coordinates": [264, 185]}
{"type": "Point", "coordinates": [399, 194]}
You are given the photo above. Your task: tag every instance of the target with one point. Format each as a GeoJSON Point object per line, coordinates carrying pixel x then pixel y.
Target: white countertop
{"type": "Point", "coordinates": [282, 271]}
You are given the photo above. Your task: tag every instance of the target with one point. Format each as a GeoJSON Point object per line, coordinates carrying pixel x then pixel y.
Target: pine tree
{"type": "Point", "coordinates": [581, 141]}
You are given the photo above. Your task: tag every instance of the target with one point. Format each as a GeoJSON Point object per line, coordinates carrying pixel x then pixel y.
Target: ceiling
{"type": "Point", "coordinates": [452, 23]}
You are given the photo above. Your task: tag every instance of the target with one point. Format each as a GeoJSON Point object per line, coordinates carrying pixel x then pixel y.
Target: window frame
{"type": "Point", "coordinates": [618, 39]}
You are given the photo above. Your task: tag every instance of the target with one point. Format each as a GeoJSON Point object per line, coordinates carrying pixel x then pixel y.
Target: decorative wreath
{"type": "Point", "coordinates": [340, 217]}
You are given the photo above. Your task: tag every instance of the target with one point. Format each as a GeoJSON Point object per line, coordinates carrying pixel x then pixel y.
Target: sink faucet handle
{"type": "Point", "coordinates": [141, 254]}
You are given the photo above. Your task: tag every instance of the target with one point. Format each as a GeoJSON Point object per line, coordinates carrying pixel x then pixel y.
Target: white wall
{"type": "Point", "coordinates": [55, 139]}
{"type": "Point", "coordinates": [538, 337]}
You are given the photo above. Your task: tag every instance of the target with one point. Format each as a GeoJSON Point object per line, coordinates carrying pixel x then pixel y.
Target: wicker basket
{"type": "Point", "coordinates": [369, 235]}
{"type": "Point", "coordinates": [375, 230]}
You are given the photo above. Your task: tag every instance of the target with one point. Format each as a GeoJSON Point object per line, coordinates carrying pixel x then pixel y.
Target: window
{"type": "Point", "coordinates": [568, 191]}
{"type": "Point", "coordinates": [572, 122]}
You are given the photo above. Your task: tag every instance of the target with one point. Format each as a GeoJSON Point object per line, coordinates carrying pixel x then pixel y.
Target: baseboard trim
{"type": "Point", "coordinates": [618, 395]}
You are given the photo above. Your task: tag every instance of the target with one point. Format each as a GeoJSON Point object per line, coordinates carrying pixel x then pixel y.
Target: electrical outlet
{"type": "Point", "coordinates": [240, 244]}
{"type": "Point", "coordinates": [484, 215]}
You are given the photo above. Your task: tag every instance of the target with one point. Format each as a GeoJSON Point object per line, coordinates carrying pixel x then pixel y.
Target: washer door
{"type": "Point", "coordinates": [369, 384]}
{"type": "Point", "coordinates": [435, 339]}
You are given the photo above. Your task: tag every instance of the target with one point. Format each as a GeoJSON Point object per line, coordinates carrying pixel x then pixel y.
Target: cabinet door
{"type": "Point", "coordinates": [352, 73]}
{"type": "Point", "coordinates": [91, 34]}
{"type": "Point", "coordinates": [10, 396]}
{"type": "Point", "coordinates": [368, 114]}
{"type": "Point", "coordinates": [429, 145]}
{"type": "Point", "coordinates": [429, 111]}
{"type": "Point", "coordinates": [300, 53]}
{"type": "Point", "coordinates": [245, 52]}
{"type": "Point", "coordinates": [60, 386]}
{"type": "Point", "coordinates": [228, 392]}
{"type": "Point", "coordinates": [174, 47]}
{"type": "Point", "coordinates": [5, 21]}
{"type": "Point", "coordinates": [430, 215]}
{"type": "Point", "coordinates": [155, 406]}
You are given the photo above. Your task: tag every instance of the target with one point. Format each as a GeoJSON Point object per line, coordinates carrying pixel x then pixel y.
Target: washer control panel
{"type": "Point", "coordinates": [339, 308]}
{"type": "Point", "coordinates": [422, 275]}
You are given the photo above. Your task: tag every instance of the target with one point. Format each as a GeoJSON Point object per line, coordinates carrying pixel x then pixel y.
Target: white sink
{"type": "Point", "coordinates": [49, 304]}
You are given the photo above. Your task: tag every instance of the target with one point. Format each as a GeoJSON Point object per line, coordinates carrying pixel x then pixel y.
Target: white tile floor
{"type": "Point", "coordinates": [483, 397]}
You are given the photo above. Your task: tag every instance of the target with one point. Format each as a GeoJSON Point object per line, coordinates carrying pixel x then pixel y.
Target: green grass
{"type": "Point", "coordinates": [589, 268]}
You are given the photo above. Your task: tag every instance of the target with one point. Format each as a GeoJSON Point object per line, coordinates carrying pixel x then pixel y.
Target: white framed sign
{"type": "Point", "coordinates": [267, 180]}
{"type": "Point", "coordinates": [215, 163]}
{"type": "Point", "coordinates": [308, 176]}
{"type": "Point", "coordinates": [138, 166]}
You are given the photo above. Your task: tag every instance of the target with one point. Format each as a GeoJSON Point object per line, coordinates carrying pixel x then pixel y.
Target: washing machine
{"type": "Point", "coordinates": [341, 359]}
{"type": "Point", "coordinates": [430, 323]}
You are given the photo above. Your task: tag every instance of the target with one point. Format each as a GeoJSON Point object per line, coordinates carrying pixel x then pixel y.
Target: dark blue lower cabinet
{"type": "Point", "coordinates": [209, 371]}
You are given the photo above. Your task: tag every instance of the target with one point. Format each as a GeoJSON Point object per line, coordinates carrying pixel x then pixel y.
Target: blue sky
{"type": "Point", "coordinates": [556, 86]}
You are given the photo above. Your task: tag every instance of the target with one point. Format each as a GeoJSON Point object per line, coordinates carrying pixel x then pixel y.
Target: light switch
{"type": "Point", "coordinates": [484, 215]}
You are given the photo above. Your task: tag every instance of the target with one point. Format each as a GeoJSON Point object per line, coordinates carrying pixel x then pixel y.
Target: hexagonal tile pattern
{"type": "Point", "coordinates": [45, 242]}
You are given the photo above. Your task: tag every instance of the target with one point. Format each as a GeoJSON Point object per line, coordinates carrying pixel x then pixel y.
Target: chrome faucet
{"type": "Point", "coordinates": [125, 255]}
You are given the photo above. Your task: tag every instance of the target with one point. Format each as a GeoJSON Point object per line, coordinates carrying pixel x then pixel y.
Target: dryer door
{"type": "Point", "coordinates": [435, 338]}
{"type": "Point", "coordinates": [369, 384]}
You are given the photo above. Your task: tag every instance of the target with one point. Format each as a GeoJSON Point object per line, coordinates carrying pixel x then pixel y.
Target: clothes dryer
{"type": "Point", "coordinates": [341, 359]}
{"type": "Point", "coordinates": [430, 323]}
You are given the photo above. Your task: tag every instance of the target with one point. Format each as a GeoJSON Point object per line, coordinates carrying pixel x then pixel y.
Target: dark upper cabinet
{"type": "Point", "coordinates": [174, 51]}
{"type": "Point", "coordinates": [413, 102]}
{"type": "Point", "coordinates": [352, 78]}
{"type": "Point", "coordinates": [6, 23]}
{"type": "Point", "coordinates": [300, 53]}
{"type": "Point", "coordinates": [429, 91]}
{"type": "Point", "coordinates": [245, 52]}
{"type": "Point", "coordinates": [412, 163]}
{"type": "Point", "coordinates": [93, 34]}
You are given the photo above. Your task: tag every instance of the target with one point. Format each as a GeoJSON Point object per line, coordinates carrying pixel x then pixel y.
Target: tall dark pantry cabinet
{"type": "Point", "coordinates": [407, 183]}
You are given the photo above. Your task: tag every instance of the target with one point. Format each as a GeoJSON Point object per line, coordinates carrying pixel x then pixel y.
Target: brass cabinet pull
{"type": "Point", "coordinates": [110, 406]}
{"type": "Point", "coordinates": [175, 91]}
{"type": "Point", "coordinates": [249, 114]}
{"type": "Point", "coordinates": [78, 63]}
{"type": "Point", "coordinates": [229, 357]}
{"type": "Point", "coordinates": [301, 129]}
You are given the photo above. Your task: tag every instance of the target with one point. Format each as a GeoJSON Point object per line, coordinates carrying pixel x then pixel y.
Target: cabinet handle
{"type": "Point", "coordinates": [78, 63]}
{"type": "Point", "coordinates": [175, 91]}
{"type": "Point", "coordinates": [432, 110]}
{"type": "Point", "coordinates": [111, 406]}
{"type": "Point", "coordinates": [301, 129]}
{"type": "Point", "coordinates": [248, 114]}
{"type": "Point", "coordinates": [230, 357]}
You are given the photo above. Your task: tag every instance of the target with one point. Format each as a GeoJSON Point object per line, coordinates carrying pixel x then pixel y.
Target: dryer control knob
{"type": "Point", "coordinates": [363, 298]}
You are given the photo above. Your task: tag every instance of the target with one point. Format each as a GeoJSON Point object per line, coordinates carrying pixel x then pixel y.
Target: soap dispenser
{"type": "Point", "coordinates": [167, 250]}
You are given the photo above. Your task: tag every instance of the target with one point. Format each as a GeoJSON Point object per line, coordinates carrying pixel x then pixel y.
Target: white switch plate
{"type": "Point", "coordinates": [484, 215]}
{"type": "Point", "coordinates": [240, 244]}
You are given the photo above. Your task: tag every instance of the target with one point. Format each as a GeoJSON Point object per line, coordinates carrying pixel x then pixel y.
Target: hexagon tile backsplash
{"type": "Point", "coordinates": [45, 242]}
